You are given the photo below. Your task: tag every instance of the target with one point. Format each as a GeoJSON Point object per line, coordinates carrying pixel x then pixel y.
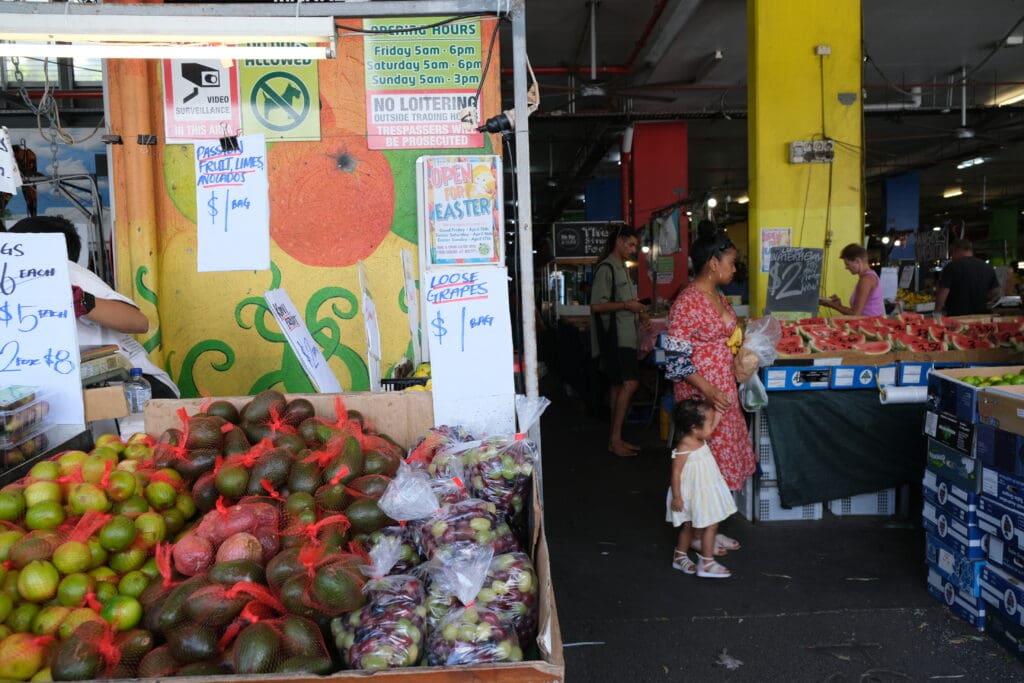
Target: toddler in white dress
{"type": "Point", "coordinates": [698, 497]}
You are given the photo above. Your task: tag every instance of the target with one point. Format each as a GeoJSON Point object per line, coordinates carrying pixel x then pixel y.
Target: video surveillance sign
{"type": "Point", "coordinates": [201, 100]}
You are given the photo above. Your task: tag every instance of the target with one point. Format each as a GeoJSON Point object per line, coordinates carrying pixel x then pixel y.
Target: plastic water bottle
{"type": "Point", "coordinates": [137, 390]}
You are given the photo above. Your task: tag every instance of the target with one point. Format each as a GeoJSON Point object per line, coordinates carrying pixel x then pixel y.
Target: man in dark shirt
{"type": "Point", "coordinates": [967, 283]}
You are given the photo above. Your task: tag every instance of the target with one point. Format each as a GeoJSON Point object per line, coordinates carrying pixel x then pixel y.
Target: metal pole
{"type": "Point", "coordinates": [525, 209]}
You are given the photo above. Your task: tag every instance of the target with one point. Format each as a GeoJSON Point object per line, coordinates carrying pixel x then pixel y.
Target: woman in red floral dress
{"type": "Point", "coordinates": [701, 316]}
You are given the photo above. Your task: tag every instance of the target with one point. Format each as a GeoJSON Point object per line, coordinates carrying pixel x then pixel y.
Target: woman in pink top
{"type": "Point", "coordinates": [866, 299]}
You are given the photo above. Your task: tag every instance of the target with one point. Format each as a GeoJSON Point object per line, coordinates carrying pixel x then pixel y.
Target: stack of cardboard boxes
{"type": "Point", "coordinates": [974, 499]}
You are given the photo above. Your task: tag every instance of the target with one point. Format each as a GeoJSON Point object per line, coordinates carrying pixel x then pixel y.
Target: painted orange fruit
{"type": "Point", "coordinates": [332, 201]}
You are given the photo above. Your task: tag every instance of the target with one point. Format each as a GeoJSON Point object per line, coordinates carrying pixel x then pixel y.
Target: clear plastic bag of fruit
{"type": "Point", "coordinates": [511, 590]}
{"type": "Point", "coordinates": [499, 469]}
{"type": "Point", "coordinates": [469, 633]}
{"type": "Point", "coordinates": [468, 521]}
{"type": "Point", "coordinates": [388, 631]}
{"type": "Point", "coordinates": [435, 440]}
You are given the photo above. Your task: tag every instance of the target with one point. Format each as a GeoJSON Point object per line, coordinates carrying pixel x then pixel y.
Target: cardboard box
{"type": "Point", "coordinates": [1006, 633]}
{"type": "Point", "coordinates": [963, 605]}
{"type": "Point", "coordinates": [999, 450]}
{"type": "Point", "coordinates": [915, 373]}
{"type": "Point", "coordinates": [797, 378]}
{"type": "Point", "coordinates": [954, 500]}
{"type": "Point", "coordinates": [963, 572]}
{"type": "Point", "coordinates": [948, 393]}
{"type": "Point", "coordinates": [1003, 407]}
{"type": "Point", "coordinates": [854, 377]}
{"type": "Point", "coordinates": [1003, 592]}
{"type": "Point", "coordinates": [999, 519]}
{"type": "Point", "coordinates": [950, 431]}
{"type": "Point", "coordinates": [954, 466]}
{"type": "Point", "coordinates": [1007, 556]}
{"type": "Point", "coordinates": [406, 417]}
{"type": "Point", "coordinates": [1004, 488]}
{"type": "Point", "coordinates": [964, 539]}
{"type": "Point", "coordinates": [105, 403]}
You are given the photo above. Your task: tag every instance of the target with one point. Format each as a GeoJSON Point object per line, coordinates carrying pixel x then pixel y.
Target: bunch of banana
{"type": "Point", "coordinates": [911, 297]}
{"type": "Point", "coordinates": [736, 340]}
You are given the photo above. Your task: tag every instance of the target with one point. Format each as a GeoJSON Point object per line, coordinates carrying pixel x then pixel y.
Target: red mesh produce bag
{"type": "Point", "coordinates": [284, 645]}
{"type": "Point", "coordinates": [195, 551]}
{"type": "Point", "coordinates": [389, 630]}
{"type": "Point", "coordinates": [97, 651]}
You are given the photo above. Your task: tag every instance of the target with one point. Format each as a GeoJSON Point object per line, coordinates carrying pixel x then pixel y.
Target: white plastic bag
{"type": "Point", "coordinates": [761, 337]}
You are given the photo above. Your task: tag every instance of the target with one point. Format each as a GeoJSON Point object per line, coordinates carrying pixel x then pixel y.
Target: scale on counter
{"type": "Point", "coordinates": [103, 364]}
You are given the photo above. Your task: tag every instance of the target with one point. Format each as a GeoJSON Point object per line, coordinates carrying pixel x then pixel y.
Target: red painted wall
{"type": "Point", "coordinates": [656, 175]}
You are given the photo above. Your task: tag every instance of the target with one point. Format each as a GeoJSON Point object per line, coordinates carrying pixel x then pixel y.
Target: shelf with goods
{"type": "Point", "coordinates": [371, 434]}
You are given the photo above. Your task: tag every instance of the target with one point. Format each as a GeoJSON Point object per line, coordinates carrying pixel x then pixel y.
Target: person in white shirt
{"type": "Point", "coordinates": [103, 315]}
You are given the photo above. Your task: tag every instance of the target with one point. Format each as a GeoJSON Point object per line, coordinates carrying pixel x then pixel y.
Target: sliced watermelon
{"type": "Point", "coordinates": [848, 338]}
{"type": "Point", "coordinates": [963, 342]}
{"type": "Point", "coordinates": [813, 321]}
{"type": "Point", "coordinates": [912, 318]}
{"type": "Point", "coordinates": [951, 324]}
{"type": "Point", "coordinates": [791, 346]}
{"type": "Point", "coordinates": [937, 333]}
{"type": "Point", "coordinates": [873, 347]}
{"type": "Point", "coordinates": [820, 345]}
{"type": "Point", "coordinates": [1008, 335]}
{"type": "Point", "coordinates": [810, 331]}
{"type": "Point", "coordinates": [920, 331]}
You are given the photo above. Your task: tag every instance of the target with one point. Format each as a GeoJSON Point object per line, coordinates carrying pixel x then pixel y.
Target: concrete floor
{"type": "Point", "coordinates": [841, 599]}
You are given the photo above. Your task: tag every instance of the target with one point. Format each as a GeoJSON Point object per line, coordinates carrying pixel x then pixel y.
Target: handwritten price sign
{"type": "Point", "coordinates": [234, 210]}
{"type": "Point", "coordinates": [38, 337]}
{"type": "Point", "coordinates": [470, 337]}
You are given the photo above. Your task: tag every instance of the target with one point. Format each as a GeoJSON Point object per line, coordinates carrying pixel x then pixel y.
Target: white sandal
{"type": "Point", "coordinates": [708, 568]}
{"type": "Point", "coordinates": [681, 561]}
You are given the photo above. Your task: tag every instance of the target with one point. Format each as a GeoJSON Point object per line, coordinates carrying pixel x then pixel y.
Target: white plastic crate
{"type": "Point", "coordinates": [745, 500]}
{"type": "Point", "coordinates": [763, 448]}
{"type": "Point", "coordinates": [769, 507]}
{"type": "Point", "coordinates": [878, 503]}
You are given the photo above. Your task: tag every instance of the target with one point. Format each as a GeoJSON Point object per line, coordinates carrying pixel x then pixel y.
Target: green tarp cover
{"type": "Point", "coordinates": [836, 444]}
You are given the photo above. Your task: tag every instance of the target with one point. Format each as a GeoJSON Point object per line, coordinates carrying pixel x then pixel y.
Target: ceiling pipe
{"type": "Point", "coordinates": [640, 44]}
{"type": "Point", "coordinates": [914, 103]}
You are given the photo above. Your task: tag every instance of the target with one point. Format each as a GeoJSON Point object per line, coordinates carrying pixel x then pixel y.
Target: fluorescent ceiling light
{"type": "Point", "coordinates": [1012, 99]}
{"type": "Point", "coordinates": [967, 163]}
{"type": "Point", "coordinates": [162, 51]}
{"type": "Point", "coordinates": [952, 192]}
{"type": "Point", "coordinates": [153, 27]}
{"type": "Point", "coordinates": [936, 229]}
{"type": "Point", "coordinates": [742, 199]}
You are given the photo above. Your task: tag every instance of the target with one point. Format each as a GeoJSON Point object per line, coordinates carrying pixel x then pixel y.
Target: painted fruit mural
{"type": "Point", "coordinates": [333, 203]}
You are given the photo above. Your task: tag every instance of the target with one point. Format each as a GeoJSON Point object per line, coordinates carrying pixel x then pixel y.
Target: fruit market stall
{"type": "Point", "coordinates": [258, 535]}
{"type": "Point", "coordinates": [827, 434]}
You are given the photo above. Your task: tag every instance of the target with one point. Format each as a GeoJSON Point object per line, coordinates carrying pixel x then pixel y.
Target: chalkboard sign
{"type": "Point", "coordinates": [582, 239]}
{"type": "Point", "coordinates": [38, 337]}
{"type": "Point", "coordinates": [794, 279]}
{"type": "Point", "coordinates": [930, 246]}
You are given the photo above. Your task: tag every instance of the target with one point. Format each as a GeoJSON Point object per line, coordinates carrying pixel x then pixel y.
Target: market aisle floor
{"type": "Point", "coordinates": [842, 599]}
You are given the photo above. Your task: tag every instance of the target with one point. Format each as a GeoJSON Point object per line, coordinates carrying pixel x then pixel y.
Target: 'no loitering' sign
{"type": "Point", "coordinates": [421, 81]}
{"type": "Point", "coordinates": [200, 100]}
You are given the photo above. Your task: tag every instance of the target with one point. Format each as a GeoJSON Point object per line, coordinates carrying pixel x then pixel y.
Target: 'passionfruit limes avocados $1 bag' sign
{"type": "Point", "coordinates": [38, 336]}
{"type": "Point", "coordinates": [421, 82]}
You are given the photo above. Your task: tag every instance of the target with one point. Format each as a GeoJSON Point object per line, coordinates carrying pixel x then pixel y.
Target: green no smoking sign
{"type": "Point", "coordinates": [280, 101]}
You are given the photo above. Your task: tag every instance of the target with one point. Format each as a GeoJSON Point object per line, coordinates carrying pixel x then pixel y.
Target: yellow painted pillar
{"type": "Point", "coordinates": [794, 94]}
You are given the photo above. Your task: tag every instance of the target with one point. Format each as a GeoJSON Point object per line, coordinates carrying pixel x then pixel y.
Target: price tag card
{"type": "Point", "coordinates": [311, 358]}
{"type": "Point", "coordinates": [233, 206]}
{"type": "Point", "coordinates": [794, 279]}
{"type": "Point", "coordinates": [470, 335]}
{"type": "Point", "coordinates": [38, 335]}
